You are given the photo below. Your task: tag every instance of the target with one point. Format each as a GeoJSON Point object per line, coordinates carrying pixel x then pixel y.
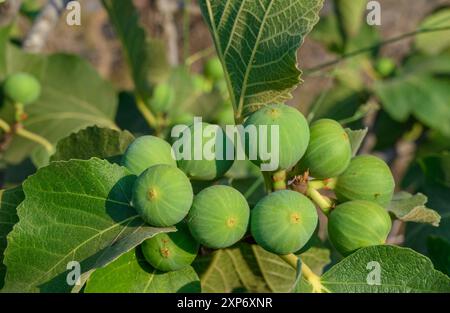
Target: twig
{"type": "Point", "coordinates": [43, 25]}
{"type": "Point", "coordinates": [17, 129]}
{"type": "Point", "coordinates": [375, 46]}
{"type": "Point", "coordinates": [186, 29]}
{"type": "Point", "coordinates": [168, 9]}
{"type": "Point", "coordinates": [200, 55]}
{"type": "Point", "coordinates": [8, 11]}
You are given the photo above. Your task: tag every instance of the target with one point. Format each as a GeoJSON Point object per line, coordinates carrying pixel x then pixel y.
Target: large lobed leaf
{"type": "Point", "coordinates": [257, 42]}
{"type": "Point", "coordinates": [420, 92]}
{"type": "Point", "coordinates": [102, 143]}
{"type": "Point", "coordinates": [252, 269]}
{"type": "Point", "coordinates": [434, 179]}
{"type": "Point", "coordinates": [411, 208]}
{"type": "Point", "coordinates": [435, 42]}
{"type": "Point", "coordinates": [73, 211]}
{"type": "Point", "coordinates": [401, 270]}
{"type": "Point", "coordinates": [132, 274]}
{"type": "Point", "coordinates": [9, 201]}
{"type": "Point", "coordinates": [350, 13]}
{"type": "Point", "coordinates": [146, 57]}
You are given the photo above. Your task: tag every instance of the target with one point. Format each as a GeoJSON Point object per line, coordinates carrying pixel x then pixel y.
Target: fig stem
{"type": "Point", "coordinates": [324, 203]}
{"type": "Point", "coordinates": [307, 272]}
{"type": "Point", "coordinates": [329, 184]}
{"type": "Point", "coordinates": [199, 55]}
{"type": "Point", "coordinates": [5, 126]}
{"type": "Point", "coordinates": [279, 180]}
{"type": "Point", "coordinates": [146, 113]}
{"type": "Point", "coordinates": [36, 138]}
{"type": "Point", "coordinates": [20, 131]}
{"type": "Point", "coordinates": [19, 108]}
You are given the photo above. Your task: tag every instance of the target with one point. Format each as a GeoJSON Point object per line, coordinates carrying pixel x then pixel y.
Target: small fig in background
{"type": "Point", "coordinates": [163, 98]}
{"type": "Point", "coordinates": [22, 88]}
{"type": "Point", "coordinates": [171, 251]}
{"type": "Point", "coordinates": [204, 168]}
{"type": "Point", "coordinates": [201, 84]}
{"type": "Point", "coordinates": [145, 152]}
{"type": "Point", "coordinates": [293, 136]}
{"type": "Point", "coordinates": [366, 178]}
{"type": "Point", "coordinates": [213, 69]}
{"type": "Point", "coordinates": [162, 195]}
{"type": "Point", "coordinates": [329, 151]}
{"type": "Point", "coordinates": [219, 216]}
{"type": "Point", "coordinates": [357, 224]}
{"type": "Point", "coordinates": [283, 222]}
{"type": "Point", "coordinates": [385, 67]}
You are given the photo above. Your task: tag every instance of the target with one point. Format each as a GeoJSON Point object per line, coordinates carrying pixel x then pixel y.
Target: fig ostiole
{"type": "Point", "coordinates": [145, 152]}
{"type": "Point", "coordinates": [162, 195]}
{"type": "Point", "coordinates": [329, 151]}
{"type": "Point", "coordinates": [22, 88]}
{"type": "Point", "coordinates": [281, 131]}
{"type": "Point", "coordinates": [356, 224]}
{"type": "Point", "coordinates": [171, 251]}
{"type": "Point", "coordinates": [366, 178]}
{"type": "Point", "coordinates": [283, 221]}
{"type": "Point", "coordinates": [219, 216]}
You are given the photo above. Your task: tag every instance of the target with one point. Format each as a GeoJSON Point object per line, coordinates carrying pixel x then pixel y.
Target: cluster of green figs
{"type": "Point", "coordinates": [282, 222]}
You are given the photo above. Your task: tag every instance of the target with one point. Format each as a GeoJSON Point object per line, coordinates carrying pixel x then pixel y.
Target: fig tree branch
{"type": "Point", "coordinates": [8, 11]}
{"type": "Point", "coordinates": [168, 8]}
{"type": "Point", "coordinates": [349, 55]}
{"type": "Point", "coordinates": [22, 132]}
{"type": "Point", "coordinates": [43, 25]}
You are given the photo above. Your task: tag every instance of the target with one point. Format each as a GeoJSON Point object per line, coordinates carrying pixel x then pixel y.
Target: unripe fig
{"type": "Point", "coordinates": [145, 152]}
{"type": "Point", "coordinates": [182, 118]}
{"type": "Point", "coordinates": [162, 195]}
{"type": "Point", "coordinates": [385, 67]}
{"type": "Point", "coordinates": [22, 88]}
{"type": "Point", "coordinates": [200, 83]}
{"type": "Point", "coordinates": [171, 251]}
{"type": "Point", "coordinates": [207, 159]}
{"type": "Point", "coordinates": [329, 151]}
{"type": "Point", "coordinates": [366, 178]}
{"type": "Point", "coordinates": [163, 97]}
{"type": "Point", "coordinates": [293, 136]}
{"type": "Point", "coordinates": [30, 7]}
{"type": "Point", "coordinates": [218, 217]}
{"type": "Point", "coordinates": [357, 224]}
{"type": "Point", "coordinates": [213, 69]}
{"type": "Point", "coordinates": [225, 114]}
{"type": "Point", "coordinates": [283, 222]}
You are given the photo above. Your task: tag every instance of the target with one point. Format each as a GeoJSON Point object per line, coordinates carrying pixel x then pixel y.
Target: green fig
{"type": "Point", "coordinates": [283, 222]}
{"type": "Point", "coordinates": [292, 139]}
{"type": "Point", "coordinates": [357, 224]}
{"type": "Point", "coordinates": [22, 88]}
{"type": "Point", "coordinates": [162, 195]}
{"type": "Point", "coordinates": [163, 98]}
{"type": "Point", "coordinates": [329, 151]}
{"type": "Point", "coordinates": [171, 251]}
{"type": "Point", "coordinates": [213, 69]}
{"type": "Point", "coordinates": [145, 152]}
{"type": "Point", "coordinates": [366, 178]}
{"type": "Point", "coordinates": [194, 161]}
{"type": "Point", "coordinates": [219, 216]}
